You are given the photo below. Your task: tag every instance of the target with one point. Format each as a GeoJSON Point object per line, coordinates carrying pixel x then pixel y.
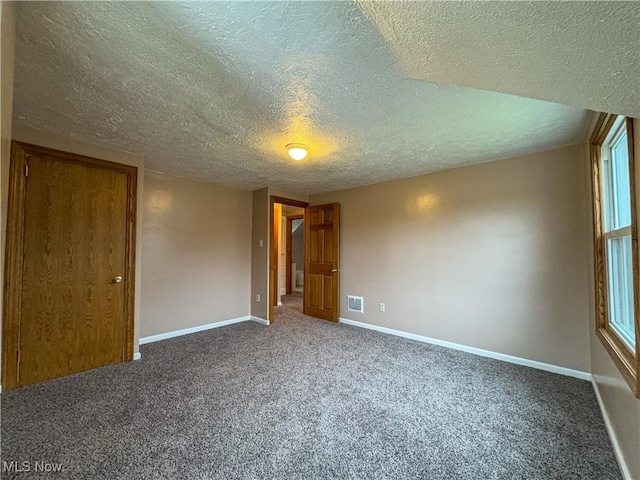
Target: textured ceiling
{"type": "Point", "coordinates": [216, 90]}
{"type": "Point", "coordinates": [585, 54]}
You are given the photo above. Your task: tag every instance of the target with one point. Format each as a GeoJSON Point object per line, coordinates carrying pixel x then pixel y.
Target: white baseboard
{"type": "Point", "coordinates": [624, 469]}
{"type": "Point", "coordinates": [476, 351]}
{"type": "Point", "coordinates": [259, 320]}
{"type": "Point", "coordinates": [279, 304]}
{"type": "Point", "coordinates": [186, 331]}
{"type": "Point", "coordinates": [137, 355]}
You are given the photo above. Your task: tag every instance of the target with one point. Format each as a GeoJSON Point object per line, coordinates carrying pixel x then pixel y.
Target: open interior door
{"type": "Point", "coordinates": [322, 261]}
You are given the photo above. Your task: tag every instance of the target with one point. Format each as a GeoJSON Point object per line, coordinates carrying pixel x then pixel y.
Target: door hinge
{"type": "Point", "coordinates": [26, 170]}
{"type": "Point", "coordinates": [18, 368]}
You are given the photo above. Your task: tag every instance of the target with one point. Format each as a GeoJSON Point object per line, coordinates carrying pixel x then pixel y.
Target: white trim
{"type": "Point", "coordinates": [137, 356]}
{"type": "Point", "coordinates": [259, 320]}
{"type": "Point", "coordinates": [476, 351]}
{"type": "Point", "coordinates": [624, 469]}
{"type": "Point", "coordinates": [186, 331]}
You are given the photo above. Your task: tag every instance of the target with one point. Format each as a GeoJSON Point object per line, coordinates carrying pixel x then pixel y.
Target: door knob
{"type": "Point", "coordinates": [334, 270]}
{"type": "Point", "coordinates": [117, 279]}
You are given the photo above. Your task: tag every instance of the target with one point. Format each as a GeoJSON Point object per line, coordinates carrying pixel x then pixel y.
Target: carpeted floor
{"type": "Point", "coordinates": [304, 399]}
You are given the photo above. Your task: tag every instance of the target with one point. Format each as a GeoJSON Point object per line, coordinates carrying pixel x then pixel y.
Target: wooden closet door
{"type": "Point", "coordinates": [73, 279]}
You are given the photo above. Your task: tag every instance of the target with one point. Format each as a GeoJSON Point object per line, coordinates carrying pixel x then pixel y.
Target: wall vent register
{"type": "Point", "coordinates": [355, 304]}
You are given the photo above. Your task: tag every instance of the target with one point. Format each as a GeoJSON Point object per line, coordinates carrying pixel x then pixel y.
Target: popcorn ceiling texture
{"type": "Point", "coordinates": [216, 90]}
{"type": "Point", "coordinates": [585, 54]}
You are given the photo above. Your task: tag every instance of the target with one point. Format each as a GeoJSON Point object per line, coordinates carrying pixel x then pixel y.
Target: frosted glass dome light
{"type": "Point", "coordinates": [298, 151]}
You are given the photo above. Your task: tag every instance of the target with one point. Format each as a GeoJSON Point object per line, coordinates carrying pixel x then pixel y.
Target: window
{"type": "Point", "coordinates": [616, 243]}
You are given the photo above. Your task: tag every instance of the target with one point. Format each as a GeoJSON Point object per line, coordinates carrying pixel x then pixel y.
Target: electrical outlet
{"type": "Point", "coordinates": [382, 307]}
{"type": "Point", "coordinates": [261, 245]}
{"type": "Point", "coordinates": [257, 297]}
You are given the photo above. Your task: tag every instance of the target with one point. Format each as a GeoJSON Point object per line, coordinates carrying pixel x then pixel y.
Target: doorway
{"type": "Point", "coordinates": [69, 291]}
{"type": "Point", "coordinates": [286, 276]}
{"type": "Point", "coordinates": [321, 253]}
{"type": "Point", "coordinates": [294, 246]}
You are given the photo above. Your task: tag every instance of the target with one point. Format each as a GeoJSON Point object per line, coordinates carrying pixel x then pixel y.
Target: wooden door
{"type": "Point", "coordinates": [322, 261]}
{"type": "Point", "coordinates": [76, 269]}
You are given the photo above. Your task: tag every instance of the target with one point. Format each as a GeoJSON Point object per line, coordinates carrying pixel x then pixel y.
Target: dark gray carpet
{"type": "Point", "coordinates": [306, 398]}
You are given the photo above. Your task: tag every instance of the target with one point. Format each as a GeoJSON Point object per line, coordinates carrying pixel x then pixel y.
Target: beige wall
{"type": "Point", "coordinates": [196, 254]}
{"type": "Point", "coordinates": [66, 144]}
{"type": "Point", "coordinates": [260, 253]}
{"type": "Point", "coordinates": [490, 256]}
{"type": "Point", "coordinates": [620, 405]}
{"type": "Point", "coordinates": [7, 55]}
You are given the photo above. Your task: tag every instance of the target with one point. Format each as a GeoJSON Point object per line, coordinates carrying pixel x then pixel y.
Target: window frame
{"type": "Point", "coordinates": [627, 361]}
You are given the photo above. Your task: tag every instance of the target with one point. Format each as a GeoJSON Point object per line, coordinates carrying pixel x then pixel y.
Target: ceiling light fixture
{"type": "Point", "coordinates": [298, 151]}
